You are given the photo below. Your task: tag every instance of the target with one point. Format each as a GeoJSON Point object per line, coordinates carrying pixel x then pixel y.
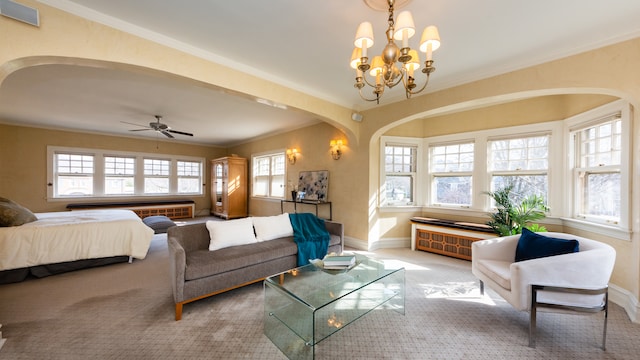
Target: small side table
{"type": "Point", "coordinates": [311, 203]}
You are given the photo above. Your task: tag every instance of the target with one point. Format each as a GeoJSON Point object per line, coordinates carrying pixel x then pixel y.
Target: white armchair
{"type": "Point", "coordinates": [576, 281]}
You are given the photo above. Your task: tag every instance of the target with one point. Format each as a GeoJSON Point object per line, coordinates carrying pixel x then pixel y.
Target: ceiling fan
{"type": "Point", "coordinates": [164, 129]}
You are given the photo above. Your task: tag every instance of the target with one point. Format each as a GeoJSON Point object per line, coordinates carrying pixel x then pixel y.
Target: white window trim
{"type": "Point", "coordinates": [431, 176]}
{"type": "Point", "coordinates": [418, 191]}
{"type": "Point", "coordinates": [481, 178]}
{"type": "Point", "coordinates": [286, 172]}
{"type": "Point", "coordinates": [99, 174]}
{"type": "Point", "coordinates": [585, 119]}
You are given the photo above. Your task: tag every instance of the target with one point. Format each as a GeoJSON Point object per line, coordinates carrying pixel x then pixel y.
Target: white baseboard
{"type": "Point", "coordinates": [389, 243]}
{"type": "Point", "coordinates": [625, 299]}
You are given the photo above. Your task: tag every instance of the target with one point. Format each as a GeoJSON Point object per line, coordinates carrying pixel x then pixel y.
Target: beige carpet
{"type": "Point", "coordinates": [125, 311]}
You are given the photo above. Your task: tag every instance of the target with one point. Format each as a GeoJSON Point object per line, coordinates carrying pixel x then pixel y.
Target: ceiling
{"type": "Point", "coordinates": [304, 45]}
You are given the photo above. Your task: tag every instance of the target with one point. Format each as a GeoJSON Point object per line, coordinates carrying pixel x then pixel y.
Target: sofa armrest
{"type": "Point", "coordinates": [335, 228]}
{"type": "Point", "coordinates": [177, 265]}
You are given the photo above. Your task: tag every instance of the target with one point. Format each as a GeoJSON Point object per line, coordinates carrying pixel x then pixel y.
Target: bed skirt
{"type": "Point", "coordinates": [40, 271]}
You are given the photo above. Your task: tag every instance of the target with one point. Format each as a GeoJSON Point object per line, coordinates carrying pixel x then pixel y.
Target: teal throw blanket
{"type": "Point", "coordinates": [310, 235]}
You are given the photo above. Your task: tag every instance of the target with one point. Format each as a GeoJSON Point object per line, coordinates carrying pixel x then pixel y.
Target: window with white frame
{"type": "Point", "coordinates": [400, 174]}
{"type": "Point", "coordinates": [269, 173]}
{"type": "Point", "coordinates": [156, 176]}
{"type": "Point", "coordinates": [95, 173]}
{"type": "Point", "coordinates": [598, 158]}
{"type": "Point", "coordinates": [73, 174]}
{"type": "Point", "coordinates": [451, 169]}
{"type": "Point", "coordinates": [119, 175]}
{"type": "Point", "coordinates": [522, 162]}
{"type": "Point", "coordinates": [189, 176]}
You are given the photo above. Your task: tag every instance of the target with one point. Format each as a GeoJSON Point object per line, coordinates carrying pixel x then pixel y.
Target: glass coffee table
{"type": "Point", "coordinates": [306, 305]}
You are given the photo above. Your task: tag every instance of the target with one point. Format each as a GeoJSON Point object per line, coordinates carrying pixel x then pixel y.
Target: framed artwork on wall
{"type": "Point", "coordinates": [314, 185]}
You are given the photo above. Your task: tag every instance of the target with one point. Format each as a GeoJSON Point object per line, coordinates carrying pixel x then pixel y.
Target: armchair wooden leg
{"type": "Point", "coordinates": [481, 288]}
{"type": "Point", "coordinates": [179, 311]}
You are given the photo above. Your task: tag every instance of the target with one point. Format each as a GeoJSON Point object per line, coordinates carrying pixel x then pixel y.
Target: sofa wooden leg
{"type": "Point", "coordinates": [178, 312]}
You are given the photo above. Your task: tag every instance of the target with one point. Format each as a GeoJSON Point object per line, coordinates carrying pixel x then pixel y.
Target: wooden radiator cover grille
{"type": "Point", "coordinates": [170, 211]}
{"type": "Point", "coordinates": [445, 244]}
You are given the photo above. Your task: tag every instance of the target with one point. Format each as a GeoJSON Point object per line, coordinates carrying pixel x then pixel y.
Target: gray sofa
{"type": "Point", "coordinates": [197, 273]}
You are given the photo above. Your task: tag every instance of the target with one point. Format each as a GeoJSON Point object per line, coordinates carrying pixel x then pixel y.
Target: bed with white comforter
{"type": "Point", "coordinates": [59, 237]}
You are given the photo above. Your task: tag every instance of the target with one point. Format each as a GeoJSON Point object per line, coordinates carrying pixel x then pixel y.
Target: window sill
{"type": "Point", "coordinates": [606, 230]}
{"type": "Point", "coordinates": [399, 208]}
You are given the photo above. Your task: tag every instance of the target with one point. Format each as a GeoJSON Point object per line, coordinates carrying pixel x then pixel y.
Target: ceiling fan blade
{"type": "Point", "coordinates": [180, 132]}
{"type": "Point", "coordinates": [165, 133]}
{"type": "Point", "coordinates": [140, 129]}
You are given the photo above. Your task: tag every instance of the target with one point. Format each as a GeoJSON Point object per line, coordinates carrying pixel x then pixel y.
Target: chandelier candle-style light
{"type": "Point", "coordinates": [395, 64]}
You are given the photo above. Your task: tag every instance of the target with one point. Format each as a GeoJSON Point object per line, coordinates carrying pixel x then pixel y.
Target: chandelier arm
{"type": "Point", "coordinates": [365, 99]}
{"type": "Point", "coordinates": [364, 77]}
{"type": "Point", "coordinates": [411, 92]}
{"type": "Point", "coordinates": [400, 78]}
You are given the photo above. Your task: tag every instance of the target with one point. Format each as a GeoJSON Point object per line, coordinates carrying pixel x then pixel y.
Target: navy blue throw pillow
{"type": "Point", "coordinates": [533, 246]}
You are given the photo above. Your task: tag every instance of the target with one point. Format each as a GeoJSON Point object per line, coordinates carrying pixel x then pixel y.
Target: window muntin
{"type": "Point", "coordinates": [119, 175]}
{"type": "Point", "coordinates": [269, 173]}
{"type": "Point", "coordinates": [598, 150]}
{"type": "Point", "coordinates": [522, 162]}
{"type": "Point", "coordinates": [451, 168]}
{"type": "Point", "coordinates": [189, 175]}
{"type": "Point", "coordinates": [74, 174]}
{"type": "Point", "coordinates": [400, 164]}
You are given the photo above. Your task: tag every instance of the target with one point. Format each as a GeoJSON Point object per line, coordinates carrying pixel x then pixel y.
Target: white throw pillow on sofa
{"type": "Point", "coordinates": [272, 227]}
{"type": "Point", "coordinates": [230, 233]}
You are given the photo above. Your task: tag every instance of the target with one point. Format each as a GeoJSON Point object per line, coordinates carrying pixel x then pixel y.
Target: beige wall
{"type": "Point", "coordinates": [63, 38]}
{"type": "Point", "coordinates": [314, 154]}
{"type": "Point", "coordinates": [23, 161]}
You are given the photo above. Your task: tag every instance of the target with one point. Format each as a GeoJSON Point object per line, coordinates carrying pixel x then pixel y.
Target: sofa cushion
{"type": "Point", "coordinates": [496, 270]}
{"type": "Point", "coordinates": [230, 233]}
{"type": "Point", "coordinates": [203, 263]}
{"type": "Point", "coordinates": [272, 227]}
{"type": "Point", "coordinates": [14, 214]}
{"type": "Point", "coordinates": [533, 246]}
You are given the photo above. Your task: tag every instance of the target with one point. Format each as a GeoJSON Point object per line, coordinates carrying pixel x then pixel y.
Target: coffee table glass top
{"type": "Point", "coordinates": [305, 305]}
{"type": "Point", "coordinates": [317, 287]}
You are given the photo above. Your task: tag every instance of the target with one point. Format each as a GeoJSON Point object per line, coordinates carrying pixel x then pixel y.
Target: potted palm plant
{"type": "Point", "coordinates": [512, 216]}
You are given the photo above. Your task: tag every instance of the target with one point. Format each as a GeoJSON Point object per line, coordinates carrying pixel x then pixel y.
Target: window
{"type": "Point", "coordinates": [95, 173]}
{"type": "Point", "coordinates": [451, 168]}
{"type": "Point", "coordinates": [598, 160]}
{"type": "Point", "coordinates": [119, 175]}
{"type": "Point", "coordinates": [399, 176]}
{"type": "Point", "coordinates": [156, 176]}
{"type": "Point", "coordinates": [73, 174]}
{"type": "Point", "coordinates": [522, 162]}
{"type": "Point", "coordinates": [189, 177]}
{"type": "Point", "coordinates": [269, 175]}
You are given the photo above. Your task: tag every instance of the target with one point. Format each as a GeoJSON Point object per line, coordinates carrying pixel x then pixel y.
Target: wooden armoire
{"type": "Point", "coordinates": [229, 187]}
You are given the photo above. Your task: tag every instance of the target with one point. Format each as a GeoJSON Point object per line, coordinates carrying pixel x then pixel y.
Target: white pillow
{"type": "Point", "coordinates": [230, 233]}
{"type": "Point", "coordinates": [272, 227]}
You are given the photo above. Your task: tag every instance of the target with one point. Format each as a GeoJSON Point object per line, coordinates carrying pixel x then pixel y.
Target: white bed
{"type": "Point", "coordinates": [58, 237]}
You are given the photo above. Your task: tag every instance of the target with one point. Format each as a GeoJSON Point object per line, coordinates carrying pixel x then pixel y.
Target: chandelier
{"type": "Point", "coordinates": [395, 64]}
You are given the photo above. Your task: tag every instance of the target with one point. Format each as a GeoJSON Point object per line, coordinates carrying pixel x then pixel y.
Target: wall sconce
{"type": "Point", "coordinates": [336, 149]}
{"type": "Point", "coordinates": [292, 155]}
